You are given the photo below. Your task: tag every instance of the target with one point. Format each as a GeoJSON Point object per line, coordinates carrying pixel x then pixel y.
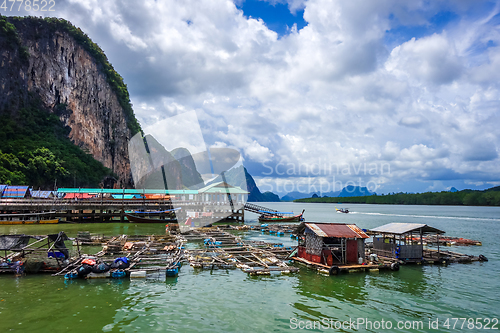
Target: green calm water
{"type": "Point", "coordinates": [231, 301]}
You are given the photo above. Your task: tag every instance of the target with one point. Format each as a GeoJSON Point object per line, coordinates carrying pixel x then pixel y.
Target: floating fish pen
{"type": "Point", "coordinates": [278, 229]}
{"type": "Point", "coordinates": [129, 256]}
{"type": "Point", "coordinates": [223, 250]}
{"type": "Point", "coordinates": [33, 254]}
{"type": "Point", "coordinates": [451, 241]}
{"type": "Point", "coordinates": [88, 239]}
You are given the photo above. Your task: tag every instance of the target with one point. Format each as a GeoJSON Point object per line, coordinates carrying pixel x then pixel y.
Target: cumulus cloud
{"type": "Point", "coordinates": [340, 91]}
{"type": "Point", "coordinates": [432, 60]}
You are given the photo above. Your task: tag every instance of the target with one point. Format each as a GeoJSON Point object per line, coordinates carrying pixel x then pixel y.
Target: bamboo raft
{"type": "Point", "coordinates": [226, 251]}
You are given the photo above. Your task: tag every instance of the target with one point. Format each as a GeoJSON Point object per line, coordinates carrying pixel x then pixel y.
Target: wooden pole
{"type": "Point", "coordinates": [437, 235]}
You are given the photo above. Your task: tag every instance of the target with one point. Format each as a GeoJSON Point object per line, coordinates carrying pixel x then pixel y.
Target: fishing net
{"type": "Point", "coordinates": [13, 242]}
{"type": "Point", "coordinates": [33, 265]}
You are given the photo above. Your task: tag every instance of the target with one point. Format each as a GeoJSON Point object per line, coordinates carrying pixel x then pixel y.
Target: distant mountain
{"type": "Point", "coordinates": [240, 177]}
{"type": "Point", "coordinates": [453, 190]}
{"type": "Point", "coordinates": [269, 197]}
{"type": "Point", "coordinates": [354, 191]}
{"type": "Point", "coordinates": [301, 195]}
{"type": "Point", "coordinates": [348, 191]}
{"type": "Point", "coordinates": [191, 178]}
{"type": "Point", "coordinates": [493, 189]}
{"type": "Point", "coordinates": [154, 167]}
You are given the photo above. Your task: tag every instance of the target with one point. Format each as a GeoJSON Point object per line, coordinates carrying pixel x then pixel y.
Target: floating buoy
{"type": "Point", "coordinates": [101, 268]}
{"type": "Point", "coordinates": [395, 266]}
{"type": "Point", "coordinates": [118, 274]}
{"type": "Point", "coordinates": [171, 272]}
{"type": "Point", "coordinates": [83, 270]}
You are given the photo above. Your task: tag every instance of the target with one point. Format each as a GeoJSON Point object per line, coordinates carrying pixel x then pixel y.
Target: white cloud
{"type": "Point", "coordinates": [432, 59]}
{"type": "Point", "coordinates": [335, 90]}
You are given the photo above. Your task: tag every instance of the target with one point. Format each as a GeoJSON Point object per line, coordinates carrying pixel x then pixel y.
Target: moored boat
{"type": "Point", "coordinates": [140, 219]}
{"type": "Point", "coordinates": [27, 218]}
{"type": "Point", "coordinates": [281, 217]}
{"type": "Point", "coordinates": [137, 218]}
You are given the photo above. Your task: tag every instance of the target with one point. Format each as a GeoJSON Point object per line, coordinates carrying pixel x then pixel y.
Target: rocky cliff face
{"type": "Point", "coordinates": [69, 82]}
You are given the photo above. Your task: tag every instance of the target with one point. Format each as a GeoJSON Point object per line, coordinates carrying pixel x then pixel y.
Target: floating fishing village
{"type": "Point", "coordinates": [204, 229]}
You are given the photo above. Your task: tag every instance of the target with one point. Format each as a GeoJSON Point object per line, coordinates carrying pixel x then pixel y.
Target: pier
{"type": "Point", "coordinates": [113, 210]}
{"type": "Point", "coordinates": [218, 202]}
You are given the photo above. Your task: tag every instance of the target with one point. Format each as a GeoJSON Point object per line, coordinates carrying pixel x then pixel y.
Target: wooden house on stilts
{"type": "Point", "coordinates": [331, 243]}
{"type": "Point", "coordinates": [403, 241]}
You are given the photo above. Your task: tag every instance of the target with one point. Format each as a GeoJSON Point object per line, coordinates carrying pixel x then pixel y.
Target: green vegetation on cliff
{"type": "Point", "coordinates": [9, 32]}
{"type": "Point", "coordinates": [490, 197]}
{"type": "Point", "coordinates": [35, 150]}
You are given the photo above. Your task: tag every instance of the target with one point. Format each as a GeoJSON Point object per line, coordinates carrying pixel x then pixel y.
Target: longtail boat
{"type": "Point", "coordinates": [137, 218]}
{"type": "Point", "coordinates": [280, 217]}
{"type": "Point", "coordinates": [27, 218]}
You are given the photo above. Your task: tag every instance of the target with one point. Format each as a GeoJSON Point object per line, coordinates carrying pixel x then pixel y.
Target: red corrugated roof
{"type": "Point", "coordinates": [339, 230]}
{"type": "Point", "coordinates": [78, 195]}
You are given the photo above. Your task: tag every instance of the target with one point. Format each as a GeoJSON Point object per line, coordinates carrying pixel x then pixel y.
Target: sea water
{"type": "Point", "coordinates": [414, 299]}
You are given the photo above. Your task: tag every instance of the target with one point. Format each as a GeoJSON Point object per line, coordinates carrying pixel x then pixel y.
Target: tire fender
{"type": "Point", "coordinates": [334, 270]}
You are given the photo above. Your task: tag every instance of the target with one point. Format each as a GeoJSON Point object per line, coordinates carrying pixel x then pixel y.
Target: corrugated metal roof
{"type": "Point", "coordinates": [121, 196]}
{"type": "Point", "coordinates": [78, 195]}
{"type": "Point", "coordinates": [222, 187]}
{"type": "Point", "coordinates": [2, 187]}
{"type": "Point", "coordinates": [15, 192]}
{"type": "Point", "coordinates": [123, 191]}
{"type": "Point", "coordinates": [339, 230]}
{"type": "Point", "coordinates": [403, 228]}
{"type": "Point", "coordinates": [42, 194]}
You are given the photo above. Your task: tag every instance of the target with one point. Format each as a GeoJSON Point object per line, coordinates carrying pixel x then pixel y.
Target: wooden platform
{"type": "Point", "coordinates": [344, 268]}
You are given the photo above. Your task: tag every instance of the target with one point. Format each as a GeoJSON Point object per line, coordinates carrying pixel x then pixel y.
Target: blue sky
{"type": "Point", "coordinates": [393, 95]}
{"type": "Point", "coordinates": [277, 16]}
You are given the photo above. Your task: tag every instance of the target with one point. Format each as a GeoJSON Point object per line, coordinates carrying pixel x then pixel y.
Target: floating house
{"type": "Point", "coordinates": [403, 241]}
{"type": "Point", "coordinates": [331, 243]}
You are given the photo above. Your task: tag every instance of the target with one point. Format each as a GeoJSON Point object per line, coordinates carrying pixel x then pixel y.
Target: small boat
{"type": "Point", "coordinates": [342, 210]}
{"type": "Point", "coordinates": [136, 218]}
{"type": "Point", "coordinates": [27, 218]}
{"type": "Point", "coordinates": [280, 217]}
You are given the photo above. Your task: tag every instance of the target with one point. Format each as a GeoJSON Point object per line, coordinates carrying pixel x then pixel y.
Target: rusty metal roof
{"type": "Point", "coordinates": [403, 228]}
{"type": "Point", "coordinates": [339, 230]}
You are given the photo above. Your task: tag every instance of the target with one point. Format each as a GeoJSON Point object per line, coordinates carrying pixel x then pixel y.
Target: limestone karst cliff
{"type": "Point", "coordinates": [53, 63]}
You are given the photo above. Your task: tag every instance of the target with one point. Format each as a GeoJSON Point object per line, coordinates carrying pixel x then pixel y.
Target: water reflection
{"type": "Point", "coordinates": [348, 287]}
